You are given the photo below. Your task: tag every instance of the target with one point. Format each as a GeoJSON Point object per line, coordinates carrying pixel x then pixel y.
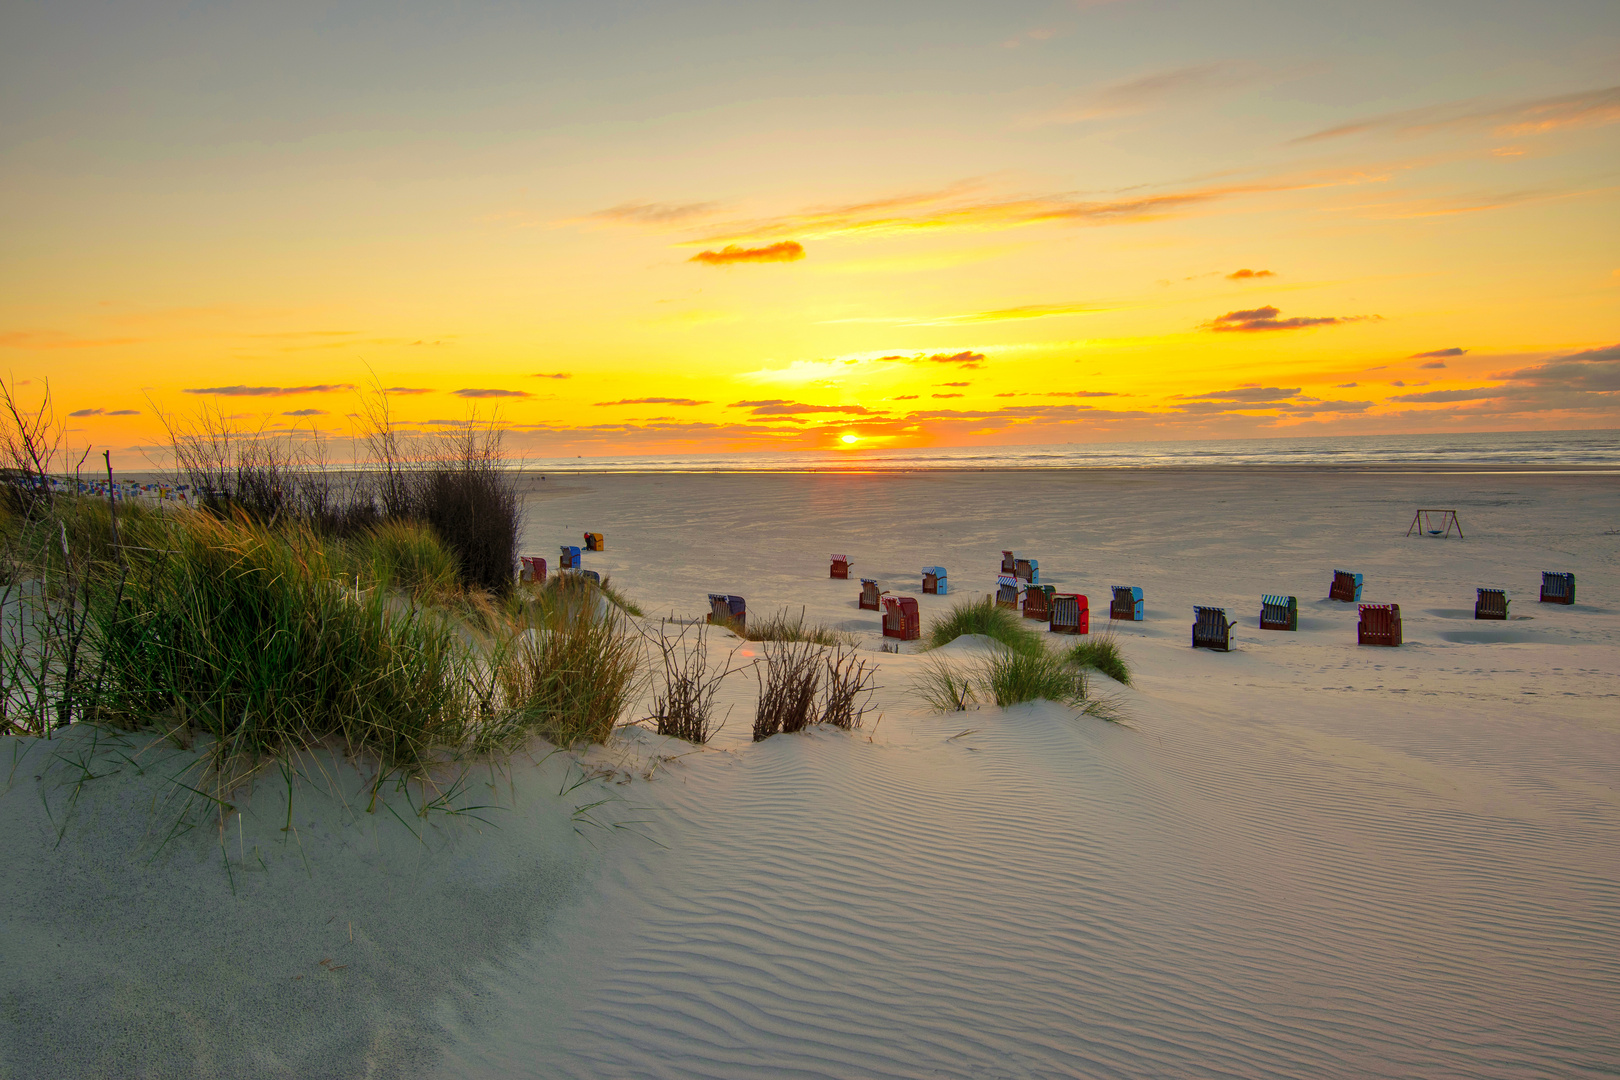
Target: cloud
{"type": "Point", "coordinates": [1074, 393]}
{"type": "Point", "coordinates": [955, 384]}
{"type": "Point", "coordinates": [1245, 393]}
{"type": "Point", "coordinates": [653, 213]}
{"type": "Point", "coordinates": [783, 407]}
{"type": "Point", "coordinates": [1433, 364]}
{"type": "Point", "coordinates": [124, 412]}
{"type": "Point", "coordinates": [552, 375]}
{"type": "Point", "coordinates": [269, 391]}
{"type": "Point", "coordinates": [406, 390]}
{"type": "Point", "coordinates": [1265, 318]}
{"type": "Point", "coordinates": [475, 392]}
{"type": "Point", "coordinates": [1588, 108]}
{"type": "Point", "coordinates": [1473, 394]}
{"type": "Point", "coordinates": [1144, 93]}
{"type": "Point", "coordinates": [1437, 354]}
{"type": "Point", "coordinates": [949, 395]}
{"type": "Point", "coordinates": [1345, 386]}
{"type": "Point", "coordinates": [306, 412]}
{"type": "Point", "coordinates": [782, 251]}
{"type": "Point", "coordinates": [1244, 275]}
{"type": "Point", "coordinates": [1595, 370]}
{"type": "Point", "coordinates": [653, 401]}
{"type": "Point", "coordinates": [85, 412]}
{"type": "Point", "coordinates": [966, 358]}
{"type": "Point", "coordinates": [911, 397]}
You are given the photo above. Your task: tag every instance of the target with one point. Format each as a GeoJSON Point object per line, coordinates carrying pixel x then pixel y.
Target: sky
{"type": "Point", "coordinates": [702, 227]}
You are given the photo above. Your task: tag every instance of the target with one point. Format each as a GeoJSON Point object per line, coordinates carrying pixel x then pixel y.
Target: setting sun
{"type": "Point", "coordinates": [850, 440]}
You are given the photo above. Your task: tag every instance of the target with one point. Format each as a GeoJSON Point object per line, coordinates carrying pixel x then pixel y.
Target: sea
{"type": "Point", "coordinates": [1584, 451]}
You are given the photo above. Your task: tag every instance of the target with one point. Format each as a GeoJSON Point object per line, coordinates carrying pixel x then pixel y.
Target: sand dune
{"type": "Point", "coordinates": [1303, 858]}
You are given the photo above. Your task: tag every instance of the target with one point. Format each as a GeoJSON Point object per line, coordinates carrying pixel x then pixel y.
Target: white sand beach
{"type": "Point", "coordinates": [1300, 858]}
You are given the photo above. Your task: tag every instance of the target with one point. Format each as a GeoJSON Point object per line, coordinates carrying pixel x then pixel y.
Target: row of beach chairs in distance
{"type": "Point", "coordinates": [534, 567]}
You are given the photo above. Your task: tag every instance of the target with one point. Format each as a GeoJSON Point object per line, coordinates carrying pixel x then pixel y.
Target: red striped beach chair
{"type": "Point", "coordinates": [901, 619]}
{"type": "Point", "coordinates": [534, 569]}
{"type": "Point", "coordinates": [1071, 614]}
{"type": "Point", "coordinates": [840, 567]}
{"type": "Point", "coordinates": [1380, 625]}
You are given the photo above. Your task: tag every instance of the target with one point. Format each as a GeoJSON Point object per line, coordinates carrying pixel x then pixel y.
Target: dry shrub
{"type": "Point", "coordinates": [789, 677]}
{"type": "Point", "coordinates": [848, 688]}
{"type": "Point", "coordinates": [684, 708]}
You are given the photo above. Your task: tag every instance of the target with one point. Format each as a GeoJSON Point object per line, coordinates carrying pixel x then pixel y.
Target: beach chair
{"type": "Point", "coordinates": [1009, 563]}
{"type": "Point", "coordinates": [534, 569]}
{"type": "Point", "coordinates": [1007, 591]}
{"type": "Point", "coordinates": [840, 567]}
{"type": "Point", "coordinates": [591, 575]}
{"type": "Point", "coordinates": [1346, 586]}
{"type": "Point", "coordinates": [728, 610]}
{"type": "Point", "coordinates": [1071, 614]}
{"type": "Point", "coordinates": [1380, 625]}
{"type": "Point", "coordinates": [1127, 603]}
{"type": "Point", "coordinates": [1557, 588]}
{"type": "Point", "coordinates": [1038, 602]}
{"type": "Point", "coordinates": [569, 559]}
{"type": "Point", "coordinates": [1491, 604]}
{"type": "Point", "coordinates": [900, 618]}
{"type": "Point", "coordinates": [1279, 612]}
{"type": "Point", "coordinates": [1027, 570]}
{"type": "Point", "coordinates": [871, 598]}
{"type": "Point", "coordinates": [595, 542]}
{"type": "Point", "coordinates": [1211, 629]}
{"type": "Point", "coordinates": [934, 580]}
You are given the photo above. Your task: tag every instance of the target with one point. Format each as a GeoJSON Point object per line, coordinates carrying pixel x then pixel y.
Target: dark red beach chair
{"type": "Point", "coordinates": [1380, 625]}
{"type": "Point", "coordinates": [1211, 629]}
{"type": "Point", "coordinates": [1557, 588]}
{"type": "Point", "coordinates": [1279, 612]}
{"type": "Point", "coordinates": [1038, 602]}
{"type": "Point", "coordinates": [1007, 591]}
{"type": "Point", "coordinates": [1071, 614]}
{"type": "Point", "coordinates": [1346, 586]}
{"type": "Point", "coordinates": [1127, 603]}
{"type": "Point", "coordinates": [1491, 604]}
{"type": "Point", "coordinates": [595, 542]}
{"type": "Point", "coordinates": [534, 569]}
{"type": "Point", "coordinates": [900, 618]}
{"type": "Point", "coordinates": [840, 567]}
{"type": "Point", "coordinates": [1009, 563]}
{"type": "Point", "coordinates": [728, 610]}
{"type": "Point", "coordinates": [870, 595]}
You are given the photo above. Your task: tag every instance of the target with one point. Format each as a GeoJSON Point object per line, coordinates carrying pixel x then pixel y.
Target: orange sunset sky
{"type": "Point", "coordinates": [704, 227]}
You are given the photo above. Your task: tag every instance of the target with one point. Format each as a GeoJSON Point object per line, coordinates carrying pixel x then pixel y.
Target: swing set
{"type": "Point", "coordinates": [1436, 523]}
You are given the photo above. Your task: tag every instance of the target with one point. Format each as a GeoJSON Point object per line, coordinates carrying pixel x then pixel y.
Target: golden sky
{"type": "Point", "coordinates": [707, 227]}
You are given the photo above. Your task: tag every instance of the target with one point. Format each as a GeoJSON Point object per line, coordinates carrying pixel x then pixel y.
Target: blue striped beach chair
{"type": "Point", "coordinates": [1007, 591]}
{"type": "Point", "coordinates": [1279, 612]}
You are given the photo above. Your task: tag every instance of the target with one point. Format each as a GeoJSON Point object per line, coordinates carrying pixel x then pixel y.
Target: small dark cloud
{"type": "Point", "coordinates": [407, 390]}
{"type": "Point", "coordinates": [478, 392]}
{"type": "Point", "coordinates": [1477, 393]}
{"type": "Point", "coordinates": [1010, 393]}
{"type": "Point", "coordinates": [1437, 354]}
{"type": "Point", "coordinates": [949, 395]}
{"type": "Point", "coordinates": [85, 412]}
{"type": "Point", "coordinates": [1397, 382]}
{"type": "Point", "coordinates": [1593, 370]}
{"type": "Point", "coordinates": [782, 251]}
{"type": "Point", "coordinates": [1433, 364]}
{"type": "Point", "coordinates": [955, 384]}
{"type": "Point", "coordinates": [1244, 275]}
{"type": "Point", "coordinates": [782, 407]}
{"type": "Point", "coordinates": [125, 412]}
{"type": "Point", "coordinates": [1246, 393]}
{"type": "Point", "coordinates": [907, 397]}
{"type": "Point", "coordinates": [1074, 393]}
{"type": "Point", "coordinates": [1265, 318]}
{"type": "Point", "coordinates": [653, 401]}
{"type": "Point", "coordinates": [305, 412]}
{"type": "Point", "coordinates": [269, 391]}
{"type": "Point", "coordinates": [966, 358]}
{"type": "Point", "coordinates": [1345, 386]}
{"type": "Point", "coordinates": [553, 375]}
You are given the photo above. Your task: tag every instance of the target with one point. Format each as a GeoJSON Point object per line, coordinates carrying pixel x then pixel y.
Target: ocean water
{"type": "Point", "coordinates": [1540, 449]}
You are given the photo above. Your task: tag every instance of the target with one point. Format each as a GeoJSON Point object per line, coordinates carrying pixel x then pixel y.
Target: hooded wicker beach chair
{"type": "Point", "coordinates": [1346, 586]}
{"type": "Point", "coordinates": [1071, 614]}
{"type": "Point", "coordinates": [595, 542]}
{"type": "Point", "coordinates": [1557, 588]}
{"type": "Point", "coordinates": [1027, 570]}
{"type": "Point", "coordinates": [1038, 602]}
{"type": "Point", "coordinates": [934, 580]}
{"type": "Point", "coordinates": [1007, 591]}
{"type": "Point", "coordinates": [590, 575]}
{"type": "Point", "coordinates": [1279, 612]}
{"type": "Point", "coordinates": [871, 595]}
{"type": "Point", "coordinates": [569, 559]}
{"type": "Point", "coordinates": [900, 618]}
{"type": "Point", "coordinates": [1211, 629]}
{"type": "Point", "coordinates": [1491, 604]}
{"type": "Point", "coordinates": [728, 610]}
{"type": "Point", "coordinates": [840, 567]}
{"type": "Point", "coordinates": [1009, 563]}
{"type": "Point", "coordinates": [1380, 625]}
{"type": "Point", "coordinates": [534, 569]}
{"type": "Point", "coordinates": [1127, 603]}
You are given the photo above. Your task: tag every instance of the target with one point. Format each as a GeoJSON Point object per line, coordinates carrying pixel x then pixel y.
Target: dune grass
{"type": "Point", "coordinates": [943, 687]}
{"type": "Point", "coordinates": [785, 627]}
{"type": "Point", "coordinates": [985, 617]}
{"type": "Point", "coordinates": [569, 672]}
{"type": "Point", "coordinates": [1011, 678]}
{"type": "Point", "coordinates": [617, 598]}
{"type": "Point", "coordinates": [1101, 653]}
{"type": "Point", "coordinates": [408, 555]}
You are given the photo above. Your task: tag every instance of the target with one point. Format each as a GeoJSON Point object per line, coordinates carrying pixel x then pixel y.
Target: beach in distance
{"type": "Point", "coordinates": [1299, 858]}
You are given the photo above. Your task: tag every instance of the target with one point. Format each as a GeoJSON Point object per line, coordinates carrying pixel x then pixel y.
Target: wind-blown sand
{"type": "Point", "coordinates": [1300, 858]}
